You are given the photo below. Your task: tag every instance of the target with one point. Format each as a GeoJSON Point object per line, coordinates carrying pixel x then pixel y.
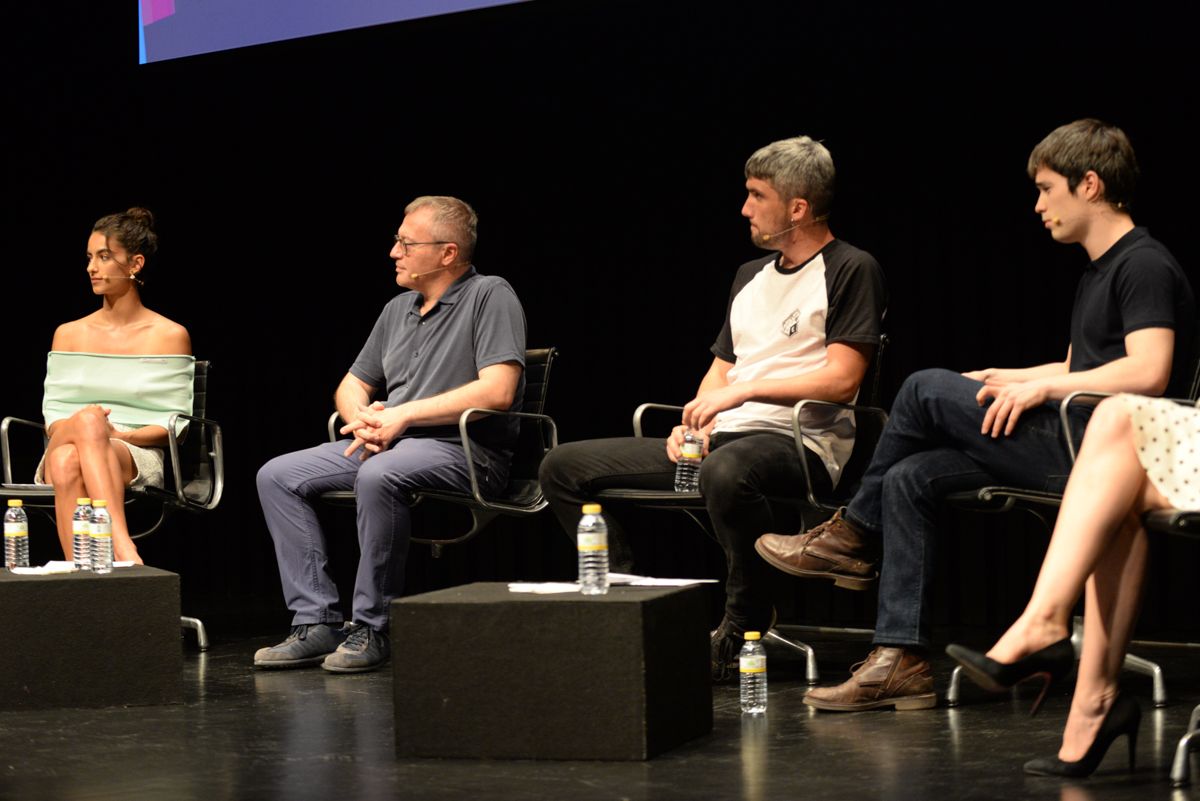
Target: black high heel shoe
{"type": "Point", "coordinates": [1049, 664]}
{"type": "Point", "coordinates": [1123, 718]}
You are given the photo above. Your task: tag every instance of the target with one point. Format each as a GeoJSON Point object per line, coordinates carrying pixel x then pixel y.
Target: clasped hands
{"type": "Point", "coordinates": [1009, 400]}
{"type": "Point", "coordinates": [113, 433]}
{"type": "Point", "coordinates": [375, 427]}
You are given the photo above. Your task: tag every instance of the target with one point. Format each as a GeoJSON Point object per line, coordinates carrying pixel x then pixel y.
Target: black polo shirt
{"type": "Point", "coordinates": [1136, 284]}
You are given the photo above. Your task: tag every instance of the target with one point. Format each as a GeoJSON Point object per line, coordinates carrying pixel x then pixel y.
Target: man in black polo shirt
{"type": "Point", "coordinates": [1132, 330]}
{"type": "Point", "coordinates": [802, 322]}
{"type": "Point", "coordinates": [456, 341]}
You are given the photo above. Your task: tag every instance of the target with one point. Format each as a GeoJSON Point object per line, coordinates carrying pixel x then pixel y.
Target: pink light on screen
{"type": "Point", "coordinates": [154, 10]}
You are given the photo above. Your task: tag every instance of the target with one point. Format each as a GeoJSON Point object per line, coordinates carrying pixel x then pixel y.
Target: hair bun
{"type": "Point", "coordinates": [142, 215]}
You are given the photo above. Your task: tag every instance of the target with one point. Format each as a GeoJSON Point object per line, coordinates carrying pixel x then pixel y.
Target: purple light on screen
{"type": "Point", "coordinates": [154, 10]}
{"type": "Point", "coordinates": [177, 28]}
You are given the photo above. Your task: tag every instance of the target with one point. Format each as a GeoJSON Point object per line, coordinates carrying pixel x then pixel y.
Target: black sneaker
{"type": "Point", "coordinates": [726, 643]}
{"type": "Point", "coordinates": [364, 649]}
{"type": "Point", "coordinates": [308, 644]}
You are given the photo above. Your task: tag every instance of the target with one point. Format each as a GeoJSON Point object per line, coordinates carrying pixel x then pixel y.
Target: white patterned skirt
{"type": "Point", "coordinates": [1167, 438]}
{"type": "Point", "coordinates": [147, 463]}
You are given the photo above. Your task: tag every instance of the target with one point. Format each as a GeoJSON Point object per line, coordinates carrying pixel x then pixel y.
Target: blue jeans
{"type": "Point", "coordinates": [931, 447]}
{"type": "Point", "coordinates": [288, 487]}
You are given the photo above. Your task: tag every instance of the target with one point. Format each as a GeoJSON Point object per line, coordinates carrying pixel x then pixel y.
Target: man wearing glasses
{"type": "Point", "coordinates": [454, 342]}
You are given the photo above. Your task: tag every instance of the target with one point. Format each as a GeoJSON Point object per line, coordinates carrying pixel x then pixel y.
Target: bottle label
{"type": "Point", "coordinates": [100, 529]}
{"type": "Point", "coordinates": [80, 527]}
{"type": "Point", "coordinates": [752, 664]}
{"type": "Point", "coordinates": [16, 529]}
{"type": "Point", "coordinates": [690, 450]}
{"type": "Point", "coordinates": [592, 541]}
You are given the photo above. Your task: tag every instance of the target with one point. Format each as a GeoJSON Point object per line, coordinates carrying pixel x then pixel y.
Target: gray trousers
{"type": "Point", "coordinates": [288, 487]}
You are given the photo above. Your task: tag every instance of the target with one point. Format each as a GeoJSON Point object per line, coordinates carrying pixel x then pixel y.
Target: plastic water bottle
{"type": "Point", "coordinates": [687, 469]}
{"type": "Point", "coordinates": [81, 542]}
{"type": "Point", "coordinates": [592, 541]}
{"type": "Point", "coordinates": [752, 669]}
{"type": "Point", "coordinates": [16, 535]}
{"type": "Point", "coordinates": [100, 534]}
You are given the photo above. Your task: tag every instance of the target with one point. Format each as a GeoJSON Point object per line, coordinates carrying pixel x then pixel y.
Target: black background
{"type": "Point", "coordinates": [602, 145]}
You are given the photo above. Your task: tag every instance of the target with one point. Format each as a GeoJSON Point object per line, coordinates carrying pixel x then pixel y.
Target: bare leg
{"type": "Point", "coordinates": [1111, 603]}
{"type": "Point", "coordinates": [105, 469]}
{"type": "Point", "coordinates": [120, 463]}
{"type": "Point", "coordinates": [1107, 486]}
{"type": "Point", "coordinates": [62, 471]}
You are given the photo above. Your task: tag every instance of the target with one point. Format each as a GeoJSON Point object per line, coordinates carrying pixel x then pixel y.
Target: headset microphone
{"type": "Point", "coordinates": [427, 272]}
{"type": "Point", "coordinates": [769, 237]}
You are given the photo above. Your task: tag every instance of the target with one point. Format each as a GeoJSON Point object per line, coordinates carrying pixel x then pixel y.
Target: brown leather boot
{"type": "Point", "coordinates": [834, 550]}
{"type": "Point", "coordinates": [889, 677]}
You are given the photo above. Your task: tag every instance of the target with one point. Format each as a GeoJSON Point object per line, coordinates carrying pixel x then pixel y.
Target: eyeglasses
{"type": "Point", "coordinates": [405, 244]}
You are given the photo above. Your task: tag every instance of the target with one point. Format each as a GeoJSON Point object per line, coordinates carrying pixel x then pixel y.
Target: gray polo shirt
{"type": "Point", "coordinates": [477, 323]}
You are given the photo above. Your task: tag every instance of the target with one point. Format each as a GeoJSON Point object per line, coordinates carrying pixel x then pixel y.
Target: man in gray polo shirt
{"type": "Point", "coordinates": [456, 341]}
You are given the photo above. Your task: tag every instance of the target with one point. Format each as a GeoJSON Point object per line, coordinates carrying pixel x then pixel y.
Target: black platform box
{"type": "Point", "coordinates": [79, 639]}
{"type": "Point", "coordinates": [482, 672]}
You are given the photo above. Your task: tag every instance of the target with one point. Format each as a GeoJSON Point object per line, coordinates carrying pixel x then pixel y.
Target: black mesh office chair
{"type": "Point", "coordinates": [523, 495]}
{"type": "Point", "coordinates": [1044, 506]}
{"type": "Point", "coordinates": [869, 421]}
{"type": "Point", "coordinates": [195, 472]}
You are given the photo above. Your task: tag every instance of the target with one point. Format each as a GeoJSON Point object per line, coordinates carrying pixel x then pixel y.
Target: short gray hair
{"type": "Point", "coordinates": [453, 221]}
{"type": "Point", "coordinates": [797, 167]}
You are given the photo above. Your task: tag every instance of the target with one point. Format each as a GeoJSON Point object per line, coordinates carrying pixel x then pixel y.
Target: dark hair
{"type": "Point", "coordinates": [1073, 149]}
{"type": "Point", "coordinates": [134, 229]}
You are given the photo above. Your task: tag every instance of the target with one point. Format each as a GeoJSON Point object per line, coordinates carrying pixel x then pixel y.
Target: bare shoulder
{"type": "Point", "coordinates": [70, 336]}
{"type": "Point", "coordinates": [168, 336]}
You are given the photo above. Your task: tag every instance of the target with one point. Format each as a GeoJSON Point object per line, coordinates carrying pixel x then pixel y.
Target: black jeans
{"type": "Point", "coordinates": [752, 483]}
{"type": "Point", "coordinates": [931, 447]}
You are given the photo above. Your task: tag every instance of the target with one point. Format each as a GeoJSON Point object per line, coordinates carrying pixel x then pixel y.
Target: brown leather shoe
{"type": "Point", "coordinates": [889, 677]}
{"type": "Point", "coordinates": [833, 550]}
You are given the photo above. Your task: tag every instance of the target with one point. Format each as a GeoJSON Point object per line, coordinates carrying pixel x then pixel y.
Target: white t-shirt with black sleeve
{"type": "Point", "coordinates": [779, 325]}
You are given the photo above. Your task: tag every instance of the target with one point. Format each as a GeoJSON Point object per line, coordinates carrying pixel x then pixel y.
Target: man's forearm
{"type": "Point", "coordinates": [1127, 374]}
{"type": "Point", "coordinates": [446, 407]}
{"type": "Point", "coordinates": [1012, 375]}
{"type": "Point", "coordinates": [823, 384]}
{"type": "Point", "coordinates": [349, 399]}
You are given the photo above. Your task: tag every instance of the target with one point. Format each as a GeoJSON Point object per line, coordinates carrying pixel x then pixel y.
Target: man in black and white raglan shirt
{"type": "Point", "coordinates": [802, 322]}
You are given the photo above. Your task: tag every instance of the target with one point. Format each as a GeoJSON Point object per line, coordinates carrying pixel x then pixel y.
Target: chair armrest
{"type": "Point", "coordinates": [215, 457]}
{"type": "Point", "coordinates": [465, 418]}
{"type": "Point", "coordinates": [4, 448]}
{"type": "Point", "coordinates": [332, 426]}
{"type": "Point", "coordinates": [798, 435]}
{"type": "Point", "coordinates": [645, 407]}
{"type": "Point", "coordinates": [1064, 408]}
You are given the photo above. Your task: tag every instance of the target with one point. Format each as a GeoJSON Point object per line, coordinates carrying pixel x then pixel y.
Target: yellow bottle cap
{"type": "Point", "coordinates": [16, 502]}
{"type": "Point", "coordinates": [752, 635]}
{"type": "Point", "coordinates": [591, 508]}
{"type": "Point", "coordinates": [83, 501]}
{"type": "Point", "coordinates": [99, 502]}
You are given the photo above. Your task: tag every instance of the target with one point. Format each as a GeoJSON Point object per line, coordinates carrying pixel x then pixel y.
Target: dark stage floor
{"type": "Point", "coordinates": [310, 735]}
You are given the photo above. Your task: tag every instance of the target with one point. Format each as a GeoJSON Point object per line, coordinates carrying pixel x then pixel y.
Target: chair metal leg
{"type": "Point", "coordinates": [1137, 664]}
{"type": "Point", "coordinates": [1180, 768]}
{"type": "Point", "coordinates": [197, 626]}
{"type": "Point", "coordinates": [811, 674]}
{"type": "Point", "coordinates": [955, 683]}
